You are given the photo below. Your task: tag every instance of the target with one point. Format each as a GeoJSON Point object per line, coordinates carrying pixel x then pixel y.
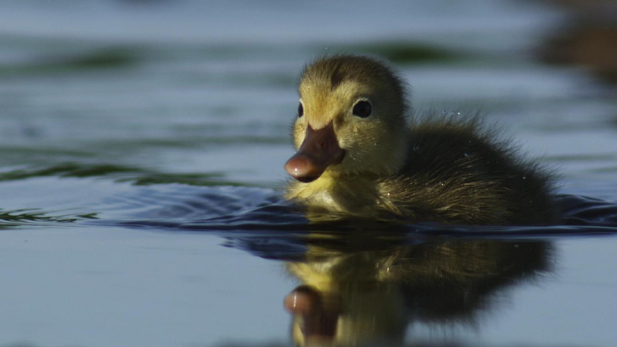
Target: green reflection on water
{"type": "Point", "coordinates": [103, 58]}
{"type": "Point", "coordinates": [137, 176]}
{"type": "Point", "coordinates": [407, 53]}
{"type": "Point", "coordinates": [15, 218]}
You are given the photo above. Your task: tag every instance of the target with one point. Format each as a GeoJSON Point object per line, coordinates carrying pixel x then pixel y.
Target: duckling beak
{"type": "Point", "coordinates": [319, 150]}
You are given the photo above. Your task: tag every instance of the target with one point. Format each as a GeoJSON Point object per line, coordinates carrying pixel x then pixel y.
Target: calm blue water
{"type": "Point", "coordinates": [142, 144]}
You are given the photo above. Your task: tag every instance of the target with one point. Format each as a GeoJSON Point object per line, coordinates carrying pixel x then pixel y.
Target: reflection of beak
{"type": "Point", "coordinates": [319, 323]}
{"type": "Point", "coordinates": [319, 150]}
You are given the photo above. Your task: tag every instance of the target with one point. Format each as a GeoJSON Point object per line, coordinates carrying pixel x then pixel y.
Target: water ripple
{"type": "Point", "coordinates": [258, 221]}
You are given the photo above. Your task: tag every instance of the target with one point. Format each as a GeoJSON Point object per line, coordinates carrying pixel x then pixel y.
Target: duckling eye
{"type": "Point", "coordinates": [300, 110]}
{"type": "Point", "coordinates": [362, 109]}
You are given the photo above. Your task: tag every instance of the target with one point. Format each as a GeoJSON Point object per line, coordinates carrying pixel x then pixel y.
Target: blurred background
{"type": "Point", "coordinates": [134, 108]}
{"type": "Point", "coordinates": [204, 91]}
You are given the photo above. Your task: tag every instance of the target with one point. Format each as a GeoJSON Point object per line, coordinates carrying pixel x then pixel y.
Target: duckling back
{"type": "Point", "coordinates": [458, 172]}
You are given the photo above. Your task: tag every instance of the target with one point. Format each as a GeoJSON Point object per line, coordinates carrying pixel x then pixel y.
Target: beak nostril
{"type": "Point", "coordinates": [318, 151]}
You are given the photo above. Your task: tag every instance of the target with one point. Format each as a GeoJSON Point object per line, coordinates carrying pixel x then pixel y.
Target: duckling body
{"type": "Point", "coordinates": [358, 155]}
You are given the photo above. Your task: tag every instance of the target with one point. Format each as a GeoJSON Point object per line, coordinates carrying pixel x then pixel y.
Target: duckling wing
{"type": "Point", "coordinates": [456, 172]}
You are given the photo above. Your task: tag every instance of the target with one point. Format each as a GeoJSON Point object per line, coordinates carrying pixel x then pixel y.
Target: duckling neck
{"type": "Point", "coordinates": [350, 194]}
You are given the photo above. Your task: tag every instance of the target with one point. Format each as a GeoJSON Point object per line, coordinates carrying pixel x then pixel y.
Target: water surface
{"type": "Point", "coordinates": [141, 156]}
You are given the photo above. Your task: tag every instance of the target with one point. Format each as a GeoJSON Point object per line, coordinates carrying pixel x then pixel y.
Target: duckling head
{"type": "Point", "coordinates": [351, 120]}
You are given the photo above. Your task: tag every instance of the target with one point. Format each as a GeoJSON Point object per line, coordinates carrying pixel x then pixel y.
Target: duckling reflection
{"type": "Point", "coordinates": [369, 297]}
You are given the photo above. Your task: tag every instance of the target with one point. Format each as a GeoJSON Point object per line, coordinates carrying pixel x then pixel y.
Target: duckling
{"type": "Point", "coordinates": [358, 155]}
